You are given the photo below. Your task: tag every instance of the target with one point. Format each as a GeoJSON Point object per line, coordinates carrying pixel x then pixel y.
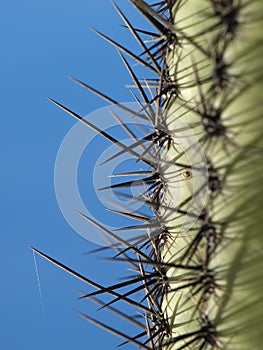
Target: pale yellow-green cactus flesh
{"type": "Point", "coordinates": [235, 306]}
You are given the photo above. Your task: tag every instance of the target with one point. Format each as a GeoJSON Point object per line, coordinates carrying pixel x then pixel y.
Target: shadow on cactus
{"type": "Point", "coordinates": [195, 244]}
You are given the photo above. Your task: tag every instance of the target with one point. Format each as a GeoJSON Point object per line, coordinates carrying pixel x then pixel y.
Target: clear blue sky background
{"type": "Point", "coordinates": [42, 43]}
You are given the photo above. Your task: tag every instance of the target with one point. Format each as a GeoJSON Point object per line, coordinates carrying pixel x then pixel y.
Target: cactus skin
{"type": "Point", "coordinates": [222, 240]}
{"type": "Point", "coordinates": [203, 287]}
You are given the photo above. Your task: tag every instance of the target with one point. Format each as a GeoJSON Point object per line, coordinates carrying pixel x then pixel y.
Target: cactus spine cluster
{"type": "Point", "coordinates": [199, 262]}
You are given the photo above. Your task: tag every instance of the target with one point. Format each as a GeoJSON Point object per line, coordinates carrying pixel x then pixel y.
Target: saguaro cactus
{"type": "Point", "coordinates": [199, 259]}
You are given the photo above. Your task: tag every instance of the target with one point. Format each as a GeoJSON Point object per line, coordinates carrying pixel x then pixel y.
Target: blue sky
{"type": "Point", "coordinates": [42, 43]}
